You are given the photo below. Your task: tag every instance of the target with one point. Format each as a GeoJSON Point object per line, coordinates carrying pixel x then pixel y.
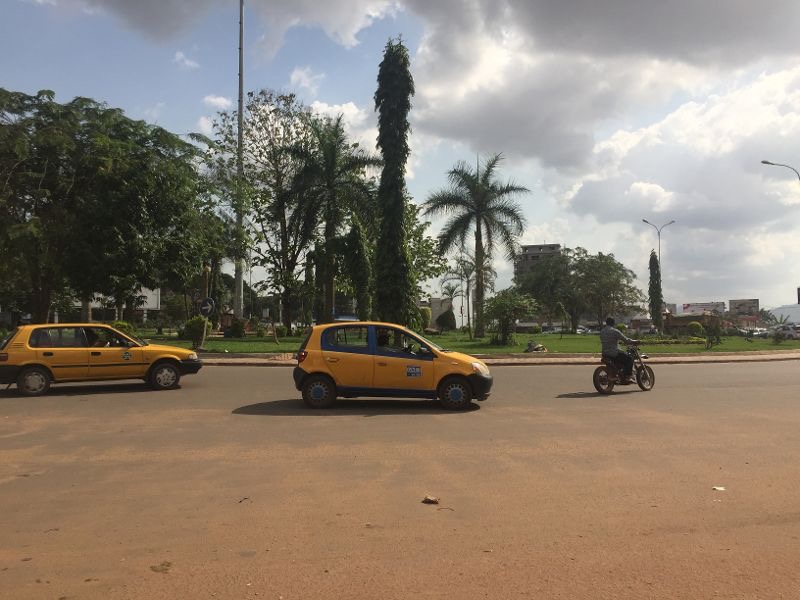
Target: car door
{"type": "Point", "coordinates": [348, 356]}
{"type": "Point", "coordinates": [400, 365]}
{"type": "Point", "coordinates": [63, 350]}
{"type": "Point", "coordinates": [112, 356]}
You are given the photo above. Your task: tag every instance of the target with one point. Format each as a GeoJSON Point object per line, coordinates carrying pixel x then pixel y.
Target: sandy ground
{"type": "Point", "coordinates": [230, 488]}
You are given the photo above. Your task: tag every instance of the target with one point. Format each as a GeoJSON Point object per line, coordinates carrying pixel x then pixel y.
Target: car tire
{"type": "Point", "coordinates": [455, 393]}
{"type": "Point", "coordinates": [319, 391]}
{"type": "Point", "coordinates": [34, 381]}
{"type": "Point", "coordinates": [164, 375]}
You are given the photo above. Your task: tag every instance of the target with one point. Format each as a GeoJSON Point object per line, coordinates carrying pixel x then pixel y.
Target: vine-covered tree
{"type": "Point", "coordinates": [477, 203]}
{"type": "Point", "coordinates": [505, 308]}
{"type": "Point", "coordinates": [395, 298]}
{"type": "Point", "coordinates": [655, 295]}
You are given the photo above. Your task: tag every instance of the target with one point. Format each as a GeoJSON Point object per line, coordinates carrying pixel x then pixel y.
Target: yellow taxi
{"type": "Point", "coordinates": [35, 356]}
{"type": "Point", "coordinates": [385, 360]}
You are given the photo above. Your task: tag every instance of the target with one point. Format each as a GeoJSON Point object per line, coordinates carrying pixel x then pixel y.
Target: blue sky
{"type": "Point", "coordinates": [609, 112]}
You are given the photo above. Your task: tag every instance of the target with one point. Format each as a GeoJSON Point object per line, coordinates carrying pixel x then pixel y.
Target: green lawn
{"type": "Point", "coordinates": [461, 343]}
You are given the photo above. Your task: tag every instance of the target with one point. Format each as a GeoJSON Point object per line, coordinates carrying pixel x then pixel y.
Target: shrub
{"type": "Point", "coordinates": [281, 331]}
{"type": "Point", "coordinates": [695, 329]}
{"type": "Point", "coordinates": [447, 320]}
{"type": "Point", "coordinates": [261, 331]}
{"type": "Point", "coordinates": [193, 330]}
{"type": "Point", "coordinates": [124, 327]}
{"type": "Point", "coordinates": [778, 337]}
{"type": "Point", "coordinates": [536, 329]}
{"type": "Point", "coordinates": [622, 327]}
{"type": "Point", "coordinates": [732, 331]}
{"type": "Point", "coordinates": [425, 316]}
{"type": "Point", "coordinates": [237, 328]}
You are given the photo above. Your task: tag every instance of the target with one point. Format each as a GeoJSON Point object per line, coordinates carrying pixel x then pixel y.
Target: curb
{"type": "Point", "coordinates": [572, 360]}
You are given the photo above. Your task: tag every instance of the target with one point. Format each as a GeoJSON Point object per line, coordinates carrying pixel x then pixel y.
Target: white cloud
{"type": "Point", "coordinates": [205, 125]}
{"type": "Point", "coordinates": [357, 121]}
{"type": "Point", "coordinates": [183, 61]}
{"type": "Point", "coordinates": [218, 102]}
{"type": "Point", "coordinates": [305, 78]}
{"type": "Point", "coordinates": [153, 113]}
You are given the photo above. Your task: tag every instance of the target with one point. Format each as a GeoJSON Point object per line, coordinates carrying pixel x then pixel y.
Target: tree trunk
{"type": "Point", "coordinates": [86, 310]}
{"type": "Point", "coordinates": [479, 283]}
{"type": "Point", "coordinates": [286, 303]}
{"type": "Point", "coordinates": [330, 269]}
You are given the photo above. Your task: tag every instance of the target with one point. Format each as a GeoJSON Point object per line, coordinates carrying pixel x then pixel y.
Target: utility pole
{"type": "Point", "coordinates": [238, 271]}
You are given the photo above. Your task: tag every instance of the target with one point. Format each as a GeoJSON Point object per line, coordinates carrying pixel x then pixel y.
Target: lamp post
{"type": "Point", "coordinates": [767, 162]}
{"type": "Point", "coordinates": [658, 231]}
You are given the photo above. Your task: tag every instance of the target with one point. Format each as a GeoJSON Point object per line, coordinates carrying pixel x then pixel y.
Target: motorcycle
{"type": "Point", "coordinates": [609, 374]}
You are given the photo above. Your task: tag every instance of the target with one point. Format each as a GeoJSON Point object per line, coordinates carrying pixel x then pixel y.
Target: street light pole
{"type": "Point", "coordinates": [767, 162]}
{"type": "Point", "coordinates": [658, 231]}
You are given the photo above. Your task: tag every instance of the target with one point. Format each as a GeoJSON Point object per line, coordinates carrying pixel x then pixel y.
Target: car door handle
{"type": "Point", "coordinates": [381, 364]}
{"type": "Point", "coordinates": [332, 359]}
{"type": "Point", "coordinates": [95, 354]}
{"type": "Point", "coordinates": [47, 353]}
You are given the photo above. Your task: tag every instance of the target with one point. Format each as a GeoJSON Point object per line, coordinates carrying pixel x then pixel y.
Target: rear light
{"type": "Point", "coordinates": [301, 356]}
{"type": "Point", "coordinates": [3, 356]}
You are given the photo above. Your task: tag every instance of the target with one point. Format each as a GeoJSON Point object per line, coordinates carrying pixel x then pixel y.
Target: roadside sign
{"type": "Point", "coordinates": [206, 306]}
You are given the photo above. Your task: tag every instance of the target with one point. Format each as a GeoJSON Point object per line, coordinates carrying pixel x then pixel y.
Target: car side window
{"type": "Point", "coordinates": [101, 337]}
{"type": "Point", "coordinates": [344, 339]}
{"type": "Point", "coordinates": [395, 341]}
{"type": "Point", "coordinates": [57, 337]}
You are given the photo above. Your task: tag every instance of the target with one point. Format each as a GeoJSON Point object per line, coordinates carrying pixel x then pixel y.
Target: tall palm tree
{"type": "Point", "coordinates": [477, 203]}
{"type": "Point", "coordinates": [334, 186]}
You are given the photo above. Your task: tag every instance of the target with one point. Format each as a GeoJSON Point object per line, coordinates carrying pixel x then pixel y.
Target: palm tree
{"type": "Point", "coordinates": [477, 203]}
{"type": "Point", "coordinates": [334, 186]}
{"type": "Point", "coordinates": [464, 273]}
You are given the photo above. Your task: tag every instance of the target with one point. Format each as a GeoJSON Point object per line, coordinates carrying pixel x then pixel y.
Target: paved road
{"type": "Point", "coordinates": [230, 488]}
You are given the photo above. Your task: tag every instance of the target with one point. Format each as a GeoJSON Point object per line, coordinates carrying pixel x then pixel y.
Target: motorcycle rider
{"type": "Point", "coordinates": [609, 338]}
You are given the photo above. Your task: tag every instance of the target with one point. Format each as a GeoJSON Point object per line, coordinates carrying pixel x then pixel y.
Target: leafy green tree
{"type": "Point", "coordinates": [505, 308]}
{"type": "Point", "coordinates": [334, 186]}
{"type": "Point", "coordinates": [447, 321]}
{"type": "Point", "coordinates": [85, 185]}
{"type": "Point", "coordinates": [395, 283]}
{"type": "Point", "coordinates": [477, 203]}
{"type": "Point", "coordinates": [554, 283]}
{"type": "Point", "coordinates": [655, 296]}
{"type": "Point", "coordinates": [280, 226]}
{"type": "Point", "coordinates": [606, 285]}
{"type": "Point", "coordinates": [463, 272]}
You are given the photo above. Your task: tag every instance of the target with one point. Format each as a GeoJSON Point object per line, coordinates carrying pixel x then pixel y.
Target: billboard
{"type": "Point", "coordinates": [743, 308]}
{"type": "Point", "coordinates": [700, 307]}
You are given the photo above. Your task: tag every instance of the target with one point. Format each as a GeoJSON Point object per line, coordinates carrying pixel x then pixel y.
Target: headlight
{"type": "Point", "coordinates": [480, 368]}
{"type": "Point", "coordinates": [193, 356]}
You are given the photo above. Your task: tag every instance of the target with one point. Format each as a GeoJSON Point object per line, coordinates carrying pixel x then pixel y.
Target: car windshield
{"type": "Point", "coordinates": [6, 338]}
{"type": "Point", "coordinates": [430, 344]}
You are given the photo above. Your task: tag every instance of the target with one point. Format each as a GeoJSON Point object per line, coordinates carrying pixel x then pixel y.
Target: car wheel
{"type": "Point", "coordinates": [34, 381]}
{"type": "Point", "coordinates": [455, 393]}
{"type": "Point", "coordinates": [164, 376]}
{"type": "Point", "coordinates": [319, 391]}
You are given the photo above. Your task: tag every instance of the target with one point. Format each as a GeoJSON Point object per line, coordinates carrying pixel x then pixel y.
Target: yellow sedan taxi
{"type": "Point", "coordinates": [35, 356]}
{"type": "Point", "coordinates": [385, 360]}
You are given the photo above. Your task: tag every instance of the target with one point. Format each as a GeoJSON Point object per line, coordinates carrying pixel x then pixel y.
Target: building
{"type": "Point", "coordinates": [743, 308]}
{"type": "Point", "coordinates": [532, 255]}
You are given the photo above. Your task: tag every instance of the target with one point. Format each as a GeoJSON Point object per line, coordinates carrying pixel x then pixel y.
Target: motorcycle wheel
{"type": "Point", "coordinates": [645, 378]}
{"type": "Point", "coordinates": [602, 380]}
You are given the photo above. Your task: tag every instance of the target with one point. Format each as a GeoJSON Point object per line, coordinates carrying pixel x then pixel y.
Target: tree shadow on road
{"type": "Point", "coordinates": [350, 407]}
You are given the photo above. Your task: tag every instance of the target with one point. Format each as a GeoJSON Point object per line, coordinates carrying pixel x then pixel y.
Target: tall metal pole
{"type": "Point", "coordinates": [238, 271]}
{"type": "Point", "coordinates": [658, 231]}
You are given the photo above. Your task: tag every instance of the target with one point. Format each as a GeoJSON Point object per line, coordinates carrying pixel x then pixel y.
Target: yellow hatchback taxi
{"type": "Point", "coordinates": [35, 356]}
{"type": "Point", "coordinates": [385, 360]}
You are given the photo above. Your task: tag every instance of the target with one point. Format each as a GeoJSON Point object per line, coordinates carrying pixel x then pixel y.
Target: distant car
{"type": "Point", "coordinates": [385, 360]}
{"type": "Point", "coordinates": [36, 356]}
{"type": "Point", "coordinates": [790, 331]}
